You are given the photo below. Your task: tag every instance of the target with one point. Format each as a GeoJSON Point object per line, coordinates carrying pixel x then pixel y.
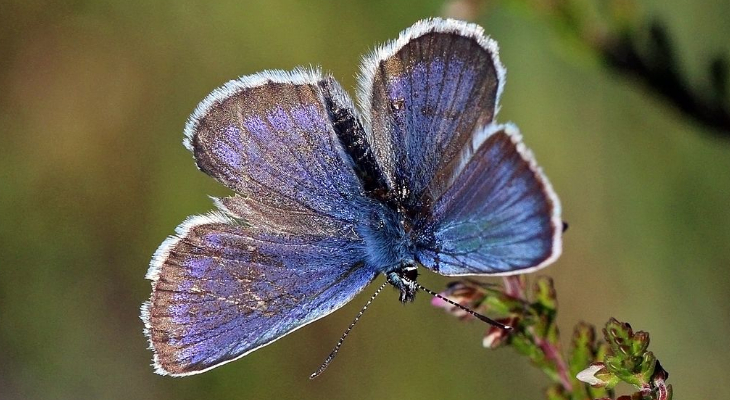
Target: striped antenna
{"type": "Point", "coordinates": [470, 311]}
{"type": "Point", "coordinates": [332, 355]}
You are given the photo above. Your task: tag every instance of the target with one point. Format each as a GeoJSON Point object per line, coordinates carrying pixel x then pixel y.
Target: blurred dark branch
{"type": "Point", "coordinates": [643, 52]}
{"type": "Point", "coordinates": [658, 69]}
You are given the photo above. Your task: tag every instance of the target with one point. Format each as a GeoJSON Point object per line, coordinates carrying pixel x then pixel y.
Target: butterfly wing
{"type": "Point", "coordinates": [423, 96]}
{"type": "Point", "coordinates": [270, 138]}
{"type": "Point", "coordinates": [285, 251]}
{"type": "Point", "coordinates": [479, 202]}
{"type": "Point", "coordinates": [222, 290]}
{"type": "Point", "coordinates": [499, 214]}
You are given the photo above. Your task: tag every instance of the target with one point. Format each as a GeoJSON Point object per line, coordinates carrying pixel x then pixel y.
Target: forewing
{"type": "Point", "coordinates": [499, 214]}
{"type": "Point", "coordinates": [222, 289]}
{"type": "Point", "coordinates": [423, 96]}
{"type": "Point", "coordinates": [270, 137]}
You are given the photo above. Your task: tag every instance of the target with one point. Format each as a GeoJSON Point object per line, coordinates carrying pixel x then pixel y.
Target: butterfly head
{"type": "Point", "coordinates": [404, 279]}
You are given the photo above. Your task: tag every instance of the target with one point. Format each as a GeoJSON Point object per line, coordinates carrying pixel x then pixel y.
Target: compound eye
{"type": "Point", "coordinates": [410, 273]}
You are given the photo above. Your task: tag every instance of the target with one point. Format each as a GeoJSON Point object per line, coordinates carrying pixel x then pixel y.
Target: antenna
{"type": "Point", "coordinates": [470, 311]}
{"type": "Point", "coordinates": [332, 355]}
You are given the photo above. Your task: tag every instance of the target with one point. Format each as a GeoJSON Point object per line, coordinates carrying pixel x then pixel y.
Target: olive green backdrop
{"type": "Point", "coordinates": [93, 176]}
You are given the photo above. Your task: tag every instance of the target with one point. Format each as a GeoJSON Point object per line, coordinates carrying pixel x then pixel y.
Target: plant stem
{"type": "Point", "coordinates": [556, 357]}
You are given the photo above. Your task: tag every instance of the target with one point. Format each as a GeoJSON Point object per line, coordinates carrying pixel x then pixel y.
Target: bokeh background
{"type": "Point", "coordinates": [93, 176]}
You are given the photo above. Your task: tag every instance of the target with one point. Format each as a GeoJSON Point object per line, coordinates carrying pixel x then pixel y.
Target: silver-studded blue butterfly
{"type": "Point", "coordinates": [329, 196]}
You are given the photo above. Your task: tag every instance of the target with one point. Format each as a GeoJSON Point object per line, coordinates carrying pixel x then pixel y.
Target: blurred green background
{"type": "Point", "coordinates": [93, 176]}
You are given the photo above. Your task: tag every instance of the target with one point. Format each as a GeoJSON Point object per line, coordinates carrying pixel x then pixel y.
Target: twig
{"type": "Point", "coordinates": [642, 52]}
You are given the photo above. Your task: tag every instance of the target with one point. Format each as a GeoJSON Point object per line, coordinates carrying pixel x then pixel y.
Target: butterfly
{"type": "Point", "coordinates": [329, 196]}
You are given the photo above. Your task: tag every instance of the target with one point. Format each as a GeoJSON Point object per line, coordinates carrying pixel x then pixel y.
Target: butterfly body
{"type": "Point", "coordinates": [329, 196]}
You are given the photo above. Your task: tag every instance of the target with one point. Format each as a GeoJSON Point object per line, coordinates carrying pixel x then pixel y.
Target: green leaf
{"type": "Point", "coordinates": [640, 343]}
{"type": "Point", "coordinates": [583, 346]}
{"type": "Point", "coordinates": [524, 346]}
{"type": "Point", "coordinates": [544, 293]}
{"type": "Point", "coordinates": [617, 335]}
{"type": "Point", "coordinates": [502, 305]}
{"type": "Point", "coordinates": [648, 367]}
